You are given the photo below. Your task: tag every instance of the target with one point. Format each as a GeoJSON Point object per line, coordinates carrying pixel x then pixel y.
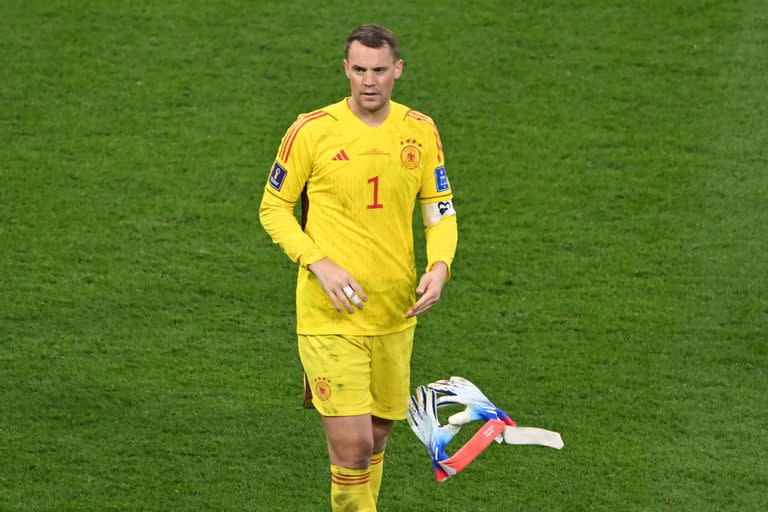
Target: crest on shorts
{"type": "Point", "coordinates": [322, 388]}
{"type": "Point", "coordinates": [410, 155]}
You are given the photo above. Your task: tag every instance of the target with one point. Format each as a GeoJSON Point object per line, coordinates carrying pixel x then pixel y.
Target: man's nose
{"type": "Point", "coordinates": [369, 78]}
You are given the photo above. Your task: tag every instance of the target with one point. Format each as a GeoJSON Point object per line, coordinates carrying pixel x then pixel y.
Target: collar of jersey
{"type": "Point", "coordinates": [391, 115]}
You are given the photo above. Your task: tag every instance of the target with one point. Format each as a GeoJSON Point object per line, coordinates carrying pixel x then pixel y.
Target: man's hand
{"type": "Point", "coordinates": [339, 285]}
{"type": "Point", "coordinates": [430, 287]}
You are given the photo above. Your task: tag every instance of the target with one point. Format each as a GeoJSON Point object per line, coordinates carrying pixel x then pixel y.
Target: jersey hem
{"type": "Point", "coordinates": [337, 332]}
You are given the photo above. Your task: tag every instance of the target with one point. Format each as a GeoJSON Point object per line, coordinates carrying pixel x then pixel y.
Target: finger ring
{"type": "Point", "coordinates": [348, 291]}
{"type": "Point", "coordinates": [355, 299]}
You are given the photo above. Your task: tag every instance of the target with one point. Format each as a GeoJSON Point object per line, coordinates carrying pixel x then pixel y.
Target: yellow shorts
{"type": "Point", "coordinates": [351, 375]}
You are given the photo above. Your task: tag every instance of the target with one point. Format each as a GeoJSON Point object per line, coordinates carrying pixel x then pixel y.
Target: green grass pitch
{"type": "Point", "coordinates": [610, 168]}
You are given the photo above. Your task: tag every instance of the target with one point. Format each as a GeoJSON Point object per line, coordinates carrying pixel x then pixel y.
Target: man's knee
{"type": "Point", "coordinates": [355, 452]}
{"type": "Point", "coordinates": [350, 441]}
{"type": "Point", "coordinates": [381, 429]}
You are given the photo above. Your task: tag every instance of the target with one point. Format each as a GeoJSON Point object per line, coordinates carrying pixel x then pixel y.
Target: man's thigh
{"type": "Point", "coordinates": [351, 375]}
{"type": "Point", "coordinates": [391, 374]}
{"type": "Point", "coordinates": [338, 371]}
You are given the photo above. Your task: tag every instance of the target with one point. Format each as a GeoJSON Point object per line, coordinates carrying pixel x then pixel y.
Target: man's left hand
{"type": "Point", "coordinates": [430, 287]}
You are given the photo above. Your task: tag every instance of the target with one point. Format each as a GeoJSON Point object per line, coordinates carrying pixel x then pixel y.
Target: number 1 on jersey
{"type": "Point", "coordinates": [376, 204]}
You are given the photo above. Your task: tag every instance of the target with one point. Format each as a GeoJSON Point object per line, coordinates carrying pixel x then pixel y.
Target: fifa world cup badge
{"type": "Point", "coordinates": [323, 388]}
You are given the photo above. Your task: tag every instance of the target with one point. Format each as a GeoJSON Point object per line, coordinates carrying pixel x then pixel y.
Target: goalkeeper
{"type": "Point", "coordinates": [359, 167]}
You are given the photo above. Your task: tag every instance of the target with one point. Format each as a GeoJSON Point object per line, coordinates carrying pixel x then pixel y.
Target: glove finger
{"type": "Point", "coordinates": [431, 407]}
{"type": "Point", "coordinates": [413, 423]}
{"type": "Point", "coordinates": [465, 384]}
{"type": "Point", "coordinates": [450, 400]}
{"type": "Point", "coordinates": [442, 387]}
{"type": "Point", "coordinates": [421, 397]}
{"type": "Point", "coordinates": [413, 406]}
{"type": "Point", "coordinates": [411, 420]}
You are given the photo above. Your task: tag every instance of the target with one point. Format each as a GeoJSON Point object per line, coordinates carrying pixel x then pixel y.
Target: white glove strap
{"type": "Point", "coordinates": [530, 435]}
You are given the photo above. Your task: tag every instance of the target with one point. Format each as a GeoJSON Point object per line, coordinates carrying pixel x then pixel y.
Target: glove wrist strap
{"type": "Point", "coordinates": [474, 447]}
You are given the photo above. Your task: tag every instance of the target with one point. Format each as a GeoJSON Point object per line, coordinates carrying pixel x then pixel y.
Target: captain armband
{"type": "Point", "coordinates": [432, 213]}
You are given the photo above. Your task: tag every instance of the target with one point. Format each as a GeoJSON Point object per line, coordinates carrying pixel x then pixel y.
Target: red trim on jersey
{"type": "Point", "coordinates": [292, 129]}
{"type": "Point", "coordinates": [439, 147]}
{"type": "Point", "coordinates": [291, 137]}
{"type": "Point", "coordinates": [426, 119]}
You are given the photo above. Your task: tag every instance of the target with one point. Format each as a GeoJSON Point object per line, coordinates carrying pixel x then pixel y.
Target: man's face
{"type": "Point", "coordinates": [372, 73]}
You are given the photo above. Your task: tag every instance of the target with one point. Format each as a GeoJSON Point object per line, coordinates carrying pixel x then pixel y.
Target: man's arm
{"type": "Point", "coordinates": [276, 215]}
{"type": "Point", "coordinates": [442, 238]}
{"type": "Point", "coordinates": [439, 219]}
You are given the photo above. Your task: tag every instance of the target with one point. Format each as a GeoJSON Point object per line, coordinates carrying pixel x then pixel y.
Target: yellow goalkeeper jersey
{"type": "Point", "coordinates": [358, 187]}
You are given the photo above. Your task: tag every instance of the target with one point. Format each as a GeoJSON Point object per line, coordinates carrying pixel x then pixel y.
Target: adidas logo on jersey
{"type": "Point", "coordinates": [341, 155]}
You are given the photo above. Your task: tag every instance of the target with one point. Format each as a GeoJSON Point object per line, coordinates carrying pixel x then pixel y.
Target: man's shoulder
{"type": "Point", "coordinates": [413, 116]}
{"type": "Point", "coordinates": [336, 110]}
{"type": "Point", "coordinates": [332, 112]}
{"type": "Point", "coordinates": [320, 118]}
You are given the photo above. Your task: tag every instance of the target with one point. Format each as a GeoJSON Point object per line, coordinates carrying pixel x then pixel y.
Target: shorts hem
{"type": "Point", "coordinates": [384, 416]}
{"type": "Point", "coordinates": [342, 413]}
{"type": "Point", "coordinates": [389, 416]}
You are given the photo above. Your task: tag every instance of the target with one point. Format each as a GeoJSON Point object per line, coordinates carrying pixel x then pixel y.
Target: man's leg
{"type": "Point", "coordinates": [390, 383]}
{"type": "Point", "coordinates": [350, 445]}
{"type": "Point", "coordinates": [381, 429]}
{"type": "Point", "coordinates": [338, 372]}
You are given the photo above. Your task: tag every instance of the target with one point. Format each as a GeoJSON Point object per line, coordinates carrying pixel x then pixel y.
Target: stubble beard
{"type": "Point", "coordinates": [375, 106]}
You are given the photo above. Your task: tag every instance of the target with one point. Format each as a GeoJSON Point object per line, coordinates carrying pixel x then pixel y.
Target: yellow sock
{"type": "Point", "coordinates": [351, 490]}
{"type": "Point", "coordinates": [377, 471]}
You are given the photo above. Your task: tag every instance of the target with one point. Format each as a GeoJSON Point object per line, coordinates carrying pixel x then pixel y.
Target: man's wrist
{"type": "Point", "coordinates": [440, 266]}
{"type": "Point", "coordinates": [314, 263]}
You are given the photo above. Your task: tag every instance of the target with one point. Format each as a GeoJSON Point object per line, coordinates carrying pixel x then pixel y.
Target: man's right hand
{"type": "Point", "coordinates": [339, 285]}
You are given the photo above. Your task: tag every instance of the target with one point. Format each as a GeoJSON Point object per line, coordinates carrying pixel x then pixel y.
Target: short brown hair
{"type": "Point", "coordinates": [374, 36]}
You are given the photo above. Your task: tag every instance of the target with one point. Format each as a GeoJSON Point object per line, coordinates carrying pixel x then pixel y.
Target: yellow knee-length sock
{"type": "Point", "coordinates": [351, 490]}
{"type": "Point", "coordinates": [377, 472]}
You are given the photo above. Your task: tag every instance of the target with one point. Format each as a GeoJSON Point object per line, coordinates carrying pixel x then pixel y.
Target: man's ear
{"type": "Point", "coordinates": [398, 68]}
{"type": "Point", "coordinates": [346, 67]}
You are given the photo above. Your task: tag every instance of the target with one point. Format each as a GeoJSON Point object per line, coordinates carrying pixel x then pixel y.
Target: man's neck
{"type": "Point", "coordinates": [373, 119]}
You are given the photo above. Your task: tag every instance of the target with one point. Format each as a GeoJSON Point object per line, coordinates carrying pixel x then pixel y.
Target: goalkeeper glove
{"type": "Point", "coordinates": [479, 407]}
{"type": "Point", "coordinates": [422, 417]}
